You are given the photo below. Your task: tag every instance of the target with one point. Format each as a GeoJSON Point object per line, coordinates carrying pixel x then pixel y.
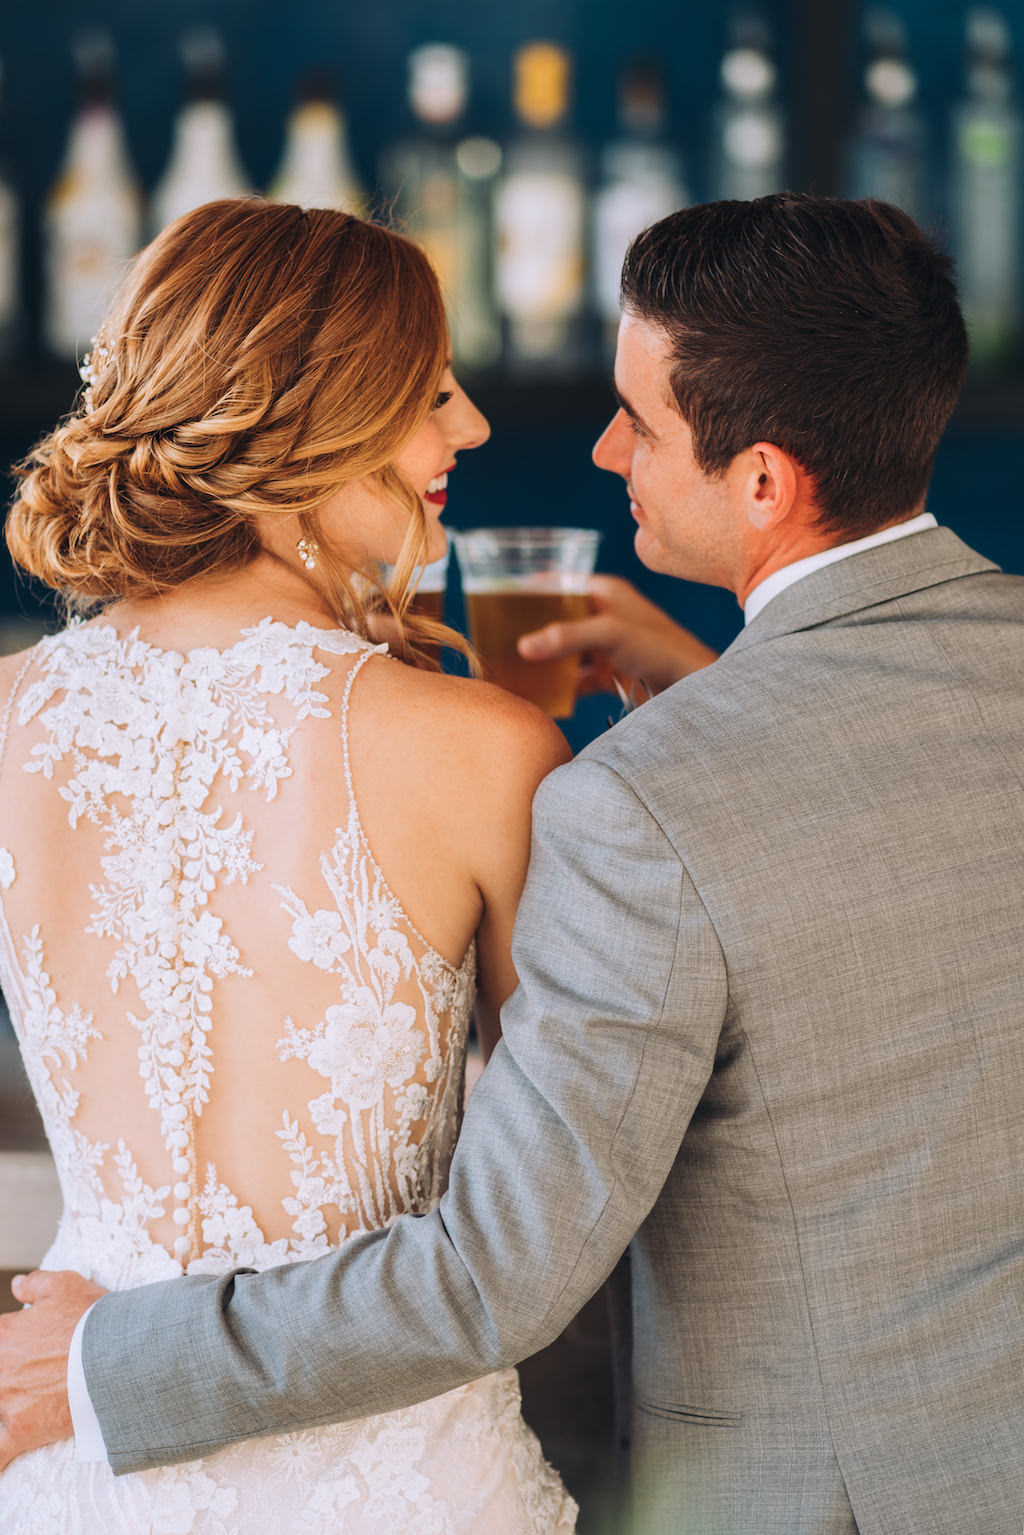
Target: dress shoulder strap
{"type": "Point", "coordinates": [356, 824]}
{"type": "Point", "coordinates": [346, 699]}
{"type": "Point", "coordinates": [5, 718]}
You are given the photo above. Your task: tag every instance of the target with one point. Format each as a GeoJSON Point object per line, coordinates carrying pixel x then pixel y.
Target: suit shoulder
{"type": "Point", "coordinates": [666, 718]}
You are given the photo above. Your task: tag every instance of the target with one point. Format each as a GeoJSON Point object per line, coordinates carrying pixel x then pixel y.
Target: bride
{"type": "Point", "coordinates": [255, 872]}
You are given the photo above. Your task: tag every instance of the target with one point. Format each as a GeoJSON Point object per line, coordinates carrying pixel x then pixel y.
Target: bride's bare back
{"type": "Point", "coordinates": [239, 910]}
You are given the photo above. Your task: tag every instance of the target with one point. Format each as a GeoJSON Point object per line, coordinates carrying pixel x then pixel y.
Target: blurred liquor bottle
{"type": "Point", "coordinates": [203, 163]}
{"type": "Point", "coordinates": [476, 326]}
{"type": "Point", "coordinates": [316, 169]}
{"type": "Point", "coordinates": [540, 217]}
{"type": "Point", "coordinates": [441, 186]}
{"type": "Point", "coordinates": [92, 217]}
{"type": "Point", "coordinates": [748, 133]}
{"type": "Point", "coordinates": [985, 192]}
{"type": "Point", "coordinates": [641, 180]}
{"type": "Point", "coordinates": [11, 335]}
{"type": "Point", "coordinates": [887, 156]}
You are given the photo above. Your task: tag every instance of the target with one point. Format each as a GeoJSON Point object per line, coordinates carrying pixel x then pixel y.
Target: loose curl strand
{"type": "Point", "coordinates": [259, 357]}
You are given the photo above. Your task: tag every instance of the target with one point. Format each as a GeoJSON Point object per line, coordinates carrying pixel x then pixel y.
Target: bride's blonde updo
{"type": "Point", "coordinates": [258, 357]}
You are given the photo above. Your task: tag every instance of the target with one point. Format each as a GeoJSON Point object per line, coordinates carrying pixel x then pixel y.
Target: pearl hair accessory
{"type": "Point", "coordinates": [308, 549]}
{"type": "Point", "coordinates": [90, 368]}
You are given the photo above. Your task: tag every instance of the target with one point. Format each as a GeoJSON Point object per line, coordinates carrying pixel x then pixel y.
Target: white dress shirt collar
{"type": "Point", "coordinates": [777, 582]}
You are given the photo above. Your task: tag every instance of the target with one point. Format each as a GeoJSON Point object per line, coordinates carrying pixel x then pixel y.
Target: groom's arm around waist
{"type": "Point", "coordinates": [567, 1140]}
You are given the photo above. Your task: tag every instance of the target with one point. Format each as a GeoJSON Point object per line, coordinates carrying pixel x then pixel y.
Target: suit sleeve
{"type": "Point", "coordinates": [609, 1041]}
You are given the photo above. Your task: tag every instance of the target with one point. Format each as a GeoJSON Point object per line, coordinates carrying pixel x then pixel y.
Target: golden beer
{"type": "Point", "coordinates": [497, 619]}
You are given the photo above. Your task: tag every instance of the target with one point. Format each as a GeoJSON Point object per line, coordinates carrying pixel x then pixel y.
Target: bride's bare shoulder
{"type": "Point", "coordinates": [467, 727]}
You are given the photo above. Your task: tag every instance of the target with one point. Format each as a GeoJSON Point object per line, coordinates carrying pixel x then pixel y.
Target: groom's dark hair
{"type": "Point", "coordinates": [829, 328]}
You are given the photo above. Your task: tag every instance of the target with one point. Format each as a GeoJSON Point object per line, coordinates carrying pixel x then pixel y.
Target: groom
{"type": "Point", "coordinates": [770, 1021]}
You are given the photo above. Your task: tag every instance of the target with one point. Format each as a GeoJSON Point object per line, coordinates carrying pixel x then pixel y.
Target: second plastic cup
{"type": "Point", "coordinates": [433, 583]}
{"type": "Point", "coordinates": [428, 599]}
{"type": "Point", "coordinates": [518, 579]}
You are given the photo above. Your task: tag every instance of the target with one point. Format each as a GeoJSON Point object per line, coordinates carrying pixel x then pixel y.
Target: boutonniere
{"type": "Point", "coordinates": [629, 701]}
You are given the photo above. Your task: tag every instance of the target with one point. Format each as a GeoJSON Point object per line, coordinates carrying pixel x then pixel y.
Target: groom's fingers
{"type": "Point", "coordinates": [28, 1287]}
{"type": "Point", "coordinates": [34, 1360]}
{"type": "Point", "coordinates": [590, 638]}
{"type": "Point", "coordinates": [568, 638]}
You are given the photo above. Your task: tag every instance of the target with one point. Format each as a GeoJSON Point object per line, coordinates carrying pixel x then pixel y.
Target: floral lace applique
{"type": "Point", "coordinates": [164, 734]}
{"type": "Point", "coordinates": [54, 1043]}
{"type": "Point", "coordinates": [162, 753]}
{"type": "Point", "coordinates": [231, 1237]}
{"type": "Point", "coordinates": [185, 1498]}
{"type": "Point", "coordinates": [372, 1047]}
{"type": "Point", "coordinates": [119, 1228]}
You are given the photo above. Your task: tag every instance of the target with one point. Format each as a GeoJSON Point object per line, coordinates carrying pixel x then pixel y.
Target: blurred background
{"type": "Point", "coordinates": [525, 146]}
{"type": "Point", "coordinates": [525, 169]}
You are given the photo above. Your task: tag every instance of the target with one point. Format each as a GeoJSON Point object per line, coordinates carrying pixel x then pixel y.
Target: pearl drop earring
{"type": "Point", "coordinates": [308, 549]}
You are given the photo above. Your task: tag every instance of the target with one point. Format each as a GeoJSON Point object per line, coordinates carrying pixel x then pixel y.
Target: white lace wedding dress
{"type": "Point", "coordinates": [243, 1051]}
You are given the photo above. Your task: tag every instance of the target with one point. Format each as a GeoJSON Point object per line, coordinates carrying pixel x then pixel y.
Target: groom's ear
{"type": "Point", "coordinates": [769, 484]}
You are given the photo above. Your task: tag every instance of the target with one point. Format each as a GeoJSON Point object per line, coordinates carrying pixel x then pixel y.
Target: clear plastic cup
{"type": "Point", "coordinates": [518, 579]}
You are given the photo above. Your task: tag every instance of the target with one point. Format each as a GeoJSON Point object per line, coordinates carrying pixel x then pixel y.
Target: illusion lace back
{"type": "Point", "coordinates": [242, 1049]}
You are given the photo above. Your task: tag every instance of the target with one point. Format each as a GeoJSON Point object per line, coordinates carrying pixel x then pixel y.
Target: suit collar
{"type": "Point", "coordinates": [862, 580]}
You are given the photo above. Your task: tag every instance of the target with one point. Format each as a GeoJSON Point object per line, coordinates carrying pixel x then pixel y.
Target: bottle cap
{"type": "Point", "coordinates": [988, 54]}
{"type": "Point", "coordinates": [747, 69]}
{"type": "Point", "coordinates": [641, 99]}
{"type": "Point", "coordinates": [891, 82]}
{"type": "Point", "coordinates": [93, 51]}
{"type": "Point", "coordinates": [316, 85]}
{"type": "Point", "coordinates": [202, 51]}
{"type": "Point", "coordinates": [889, 78]}
{"type": "Point", "coordinates": [748, 73]}
{"type": "Point", "coordinates": [542, 84]}
{"type": "Point", "coordinates": [438, 82]}
{"type": "Point", "coordinates": [987, 32]}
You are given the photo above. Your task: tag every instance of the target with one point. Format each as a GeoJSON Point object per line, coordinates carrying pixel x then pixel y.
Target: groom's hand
{"type": "Point", "coordinates": [34, 1360]}
{"type": "Point", "coordinates": [624, 636]}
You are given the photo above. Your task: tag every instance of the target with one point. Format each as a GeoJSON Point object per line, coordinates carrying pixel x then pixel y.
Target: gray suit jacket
{"type": "Point", "coordinates": [769, 1027]}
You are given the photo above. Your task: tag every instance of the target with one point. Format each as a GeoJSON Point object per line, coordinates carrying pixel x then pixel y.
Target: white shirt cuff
{"type": "Point", "coordinates": [88, 1434]}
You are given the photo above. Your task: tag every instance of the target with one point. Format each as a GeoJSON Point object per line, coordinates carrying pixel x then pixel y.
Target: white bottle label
{"type": "Point", "coordinates": [539, 222]}
{"type": "Point", "coordinates": [203, 165]}
{"type": "Point", "coordinates": [90, 239]}
{"type": "Point", "coordinates": [621, 212]}
{"type": "Point", "coordinates": [437, 227]}
{"type": "Point", "coordinates": [752, 148]}
{"type": "Point", "coordinates": [316, 170]}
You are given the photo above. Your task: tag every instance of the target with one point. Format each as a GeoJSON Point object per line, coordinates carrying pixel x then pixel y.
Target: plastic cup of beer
{"type": "Point", "coordinates": [428, 598]}
{"type": "Point", "coordinates": [518, 579]}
